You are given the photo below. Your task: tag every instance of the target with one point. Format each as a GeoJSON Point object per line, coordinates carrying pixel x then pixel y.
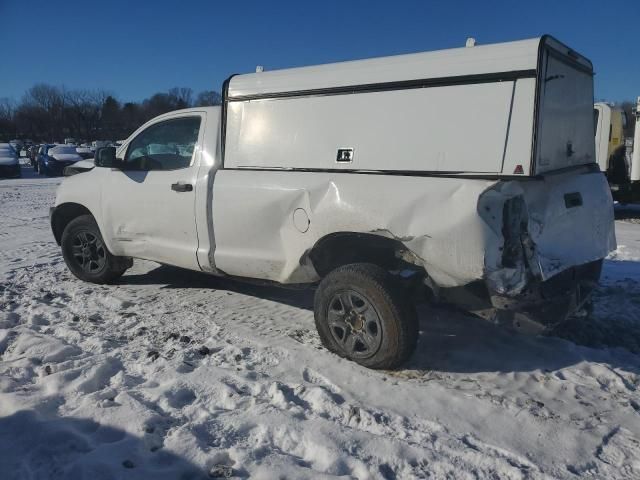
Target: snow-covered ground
{"type": "Point", "coordinates": [172, 374]}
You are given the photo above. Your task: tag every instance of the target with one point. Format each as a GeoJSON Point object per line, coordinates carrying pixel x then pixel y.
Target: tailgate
{"type": "Point", "coordinates": [570, 220]}
{"type": "Point", "coordinates": [565, 122]}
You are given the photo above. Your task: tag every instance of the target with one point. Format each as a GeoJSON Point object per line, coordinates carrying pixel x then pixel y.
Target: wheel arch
{"type": "Point", "coordinates": [64, 213]}
{"type": "Point", "coordinates": [342, 248]}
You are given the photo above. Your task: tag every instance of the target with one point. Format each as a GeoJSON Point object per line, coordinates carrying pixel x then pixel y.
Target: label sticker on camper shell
{"type": "Point", "coordinates": [345, 155]}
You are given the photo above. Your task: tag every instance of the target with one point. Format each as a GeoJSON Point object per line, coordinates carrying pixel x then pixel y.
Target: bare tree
{"type": "Point", "coordinates": [49, 113]}
{"type": "Point", "coordinates": [208, 98]}
{"type": "Point", "coordinates": [83, 111]}
{"type": "Point", "coordinates": [181, 97]}
{"type": "Point", "coordinates": [7, 108]}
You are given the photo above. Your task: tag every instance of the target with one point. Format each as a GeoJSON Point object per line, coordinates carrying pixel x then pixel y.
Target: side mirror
{"type": "Point", "coordinates": [106, 157]}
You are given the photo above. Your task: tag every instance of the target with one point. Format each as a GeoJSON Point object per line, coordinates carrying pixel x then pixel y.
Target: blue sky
{"type": "Point", "coordinates": [134, 48]}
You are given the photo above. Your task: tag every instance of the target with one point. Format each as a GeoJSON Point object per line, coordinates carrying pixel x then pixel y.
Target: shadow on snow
{"type": "Point", "coordinates": [32, 446]}
{"type": "Point", "coordinates": [453, 341]}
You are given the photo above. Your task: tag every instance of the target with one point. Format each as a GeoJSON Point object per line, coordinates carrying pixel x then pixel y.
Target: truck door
{"type": "Point", "coordinates": [149, 205]}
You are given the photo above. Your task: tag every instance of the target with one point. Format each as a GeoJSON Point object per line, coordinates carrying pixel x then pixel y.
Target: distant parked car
{"type": "Point", "coordinates": [99, 144]}
{"type": "Point", "coordinates": [16, 145]}
{"type": "Point", "coordinates": [52, 159]}
{"type": "Point", "coordinates": [9, 164]}
{"type": "Point", "coordinates": [85, 152]}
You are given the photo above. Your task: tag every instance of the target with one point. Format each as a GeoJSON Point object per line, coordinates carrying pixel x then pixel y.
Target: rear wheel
{"type": "Point", "coordinates": [362, 314]}
{"type": "Point", "coordinates": [86, 254]}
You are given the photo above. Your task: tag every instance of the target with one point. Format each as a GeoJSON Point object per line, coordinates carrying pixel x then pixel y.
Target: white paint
{"type": "Point", "coordinates": [499, 57]}
{"type": "Point", "coordinates": [439, 219]}
{"type": "Point", "coordinates": [255, 239]}
{"type": "Point", "coordinates": [418, 129]}
{"type": "Point", "coordinates": [466, 128]}
{"type": "Point", "coordinates": [143, 216]}
{"type": "Point", "coordinates": [520, 134]}
{"type": "Point", "coordinates": [602, 134]}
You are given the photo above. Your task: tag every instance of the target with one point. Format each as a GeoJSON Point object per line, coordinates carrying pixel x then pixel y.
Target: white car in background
{"type": "Point", "coordinates": [100, 144]}
{"type": "Point", "coordinates": [82, 165]}
{"type": "Point", "coordinates": [9, 164]}
{"type": "Point", "coordinates": [85, 152]}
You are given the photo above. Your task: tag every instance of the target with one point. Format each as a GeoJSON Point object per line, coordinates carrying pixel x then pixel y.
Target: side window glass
{"type": "Point", "coordinates": [164, 146]}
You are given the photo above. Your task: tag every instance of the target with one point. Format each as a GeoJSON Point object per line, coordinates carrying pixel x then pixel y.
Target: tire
{"type": "Point", "coordinates": [86, 254]}
{"type": "Point", "coordinates": [361, 314]}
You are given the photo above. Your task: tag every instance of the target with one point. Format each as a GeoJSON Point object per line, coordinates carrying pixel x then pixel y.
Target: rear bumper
{"type": "Point", "coordinates": [539, 307]}
{"type": "Point", "coordinates": [550, 236]}
{"type": "Point", "coordinates": [543, 305]}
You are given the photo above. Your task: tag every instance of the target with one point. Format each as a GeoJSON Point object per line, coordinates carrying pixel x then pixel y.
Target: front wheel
{"type": "Point", "coordinates": [86, 254]}
{"type": "Point", "coordinates": [362, 314]}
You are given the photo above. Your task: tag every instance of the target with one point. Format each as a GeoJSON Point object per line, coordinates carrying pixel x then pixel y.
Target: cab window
{"type": "Point", "coordinates": [165, 145]}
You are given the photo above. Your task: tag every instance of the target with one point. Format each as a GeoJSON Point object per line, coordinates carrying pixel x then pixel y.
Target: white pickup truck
{"type": "Point", "coordinates": [467, 173]}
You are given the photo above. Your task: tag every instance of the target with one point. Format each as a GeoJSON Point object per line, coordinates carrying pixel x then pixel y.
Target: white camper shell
{"type": "Point", "coordinates": [469, 171]}
{"type": "Point", "coordinates": [518, 108]}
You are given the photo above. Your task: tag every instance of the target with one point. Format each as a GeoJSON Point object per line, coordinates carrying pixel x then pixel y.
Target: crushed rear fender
{"type": "Point", "coordinates": [546, 226]}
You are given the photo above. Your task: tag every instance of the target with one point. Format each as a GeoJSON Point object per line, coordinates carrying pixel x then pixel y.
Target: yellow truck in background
{"type": "Point", "coordinates": [621, 167]}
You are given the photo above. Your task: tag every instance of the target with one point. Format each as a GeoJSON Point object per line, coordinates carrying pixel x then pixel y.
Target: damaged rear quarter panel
{"type": "Point", "coordinates": [566, 236]}
{"type": "Point", "coordinates": [435, 217]}
{"type": "Point", "coordinates": [551, 235]}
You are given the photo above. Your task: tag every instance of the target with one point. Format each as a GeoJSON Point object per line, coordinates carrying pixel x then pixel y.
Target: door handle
{"type": "Point", "coordinates": [181, 187]}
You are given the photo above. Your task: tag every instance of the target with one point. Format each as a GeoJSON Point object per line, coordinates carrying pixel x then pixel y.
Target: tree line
{"type": "Point", "coordinates": [48, 113]}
